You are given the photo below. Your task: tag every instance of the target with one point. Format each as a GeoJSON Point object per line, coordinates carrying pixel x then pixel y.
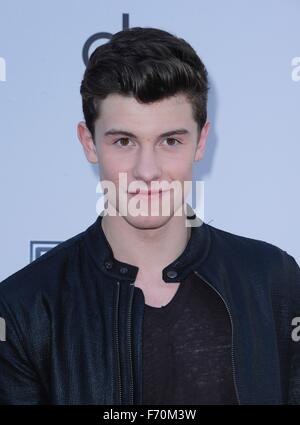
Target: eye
{"type": "Point", "coordinates": [173, 140]}
{"type": "Point", "coordinates": [121, 140]}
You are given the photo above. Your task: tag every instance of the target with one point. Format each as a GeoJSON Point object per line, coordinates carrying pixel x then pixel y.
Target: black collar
{"type": "Point", "coordinates": [193, 255]}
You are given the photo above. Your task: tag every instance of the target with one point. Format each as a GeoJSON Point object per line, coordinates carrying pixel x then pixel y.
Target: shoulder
{"type": "Point", "coordinates": [257, 264]}
{"type": "Point", "coordinates": [220, 236]}
{"type": "Point", "coordinates": [249, 251]}
{"type": "Point", "coordinates": [43, 274]}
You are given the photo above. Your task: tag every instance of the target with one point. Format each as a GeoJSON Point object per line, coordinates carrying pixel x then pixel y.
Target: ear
{"type": "Point", "coordinates": [86, 139]}
{"type": "Point", "coordinates": [202, 141]}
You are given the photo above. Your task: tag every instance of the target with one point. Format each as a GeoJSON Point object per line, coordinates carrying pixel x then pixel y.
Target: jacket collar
{"type": "Point", "coordinates": [190, 259]}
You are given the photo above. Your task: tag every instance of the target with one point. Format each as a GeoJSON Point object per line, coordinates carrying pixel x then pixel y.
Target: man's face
{"type": "Point", "coordinates": [130, 138]}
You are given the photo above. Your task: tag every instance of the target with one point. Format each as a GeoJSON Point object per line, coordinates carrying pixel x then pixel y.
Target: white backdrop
{"type": "Point", "coordinates": [251, 167]}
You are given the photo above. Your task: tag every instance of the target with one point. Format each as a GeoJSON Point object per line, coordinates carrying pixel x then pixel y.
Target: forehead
{"type": "Point", "coordinates": [127, 113]}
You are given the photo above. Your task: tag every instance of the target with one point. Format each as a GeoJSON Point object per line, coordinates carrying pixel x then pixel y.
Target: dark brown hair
{"type": "Point", "coordinates": [149, 64]}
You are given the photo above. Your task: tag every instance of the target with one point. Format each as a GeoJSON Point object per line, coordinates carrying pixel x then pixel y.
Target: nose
{"type": "Point", "coordinates": [147, 166]}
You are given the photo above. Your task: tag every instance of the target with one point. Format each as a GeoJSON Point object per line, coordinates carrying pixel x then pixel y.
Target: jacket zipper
{"type": "Point", "coordinates": [232, 352]}
{"type": "Point", "coordinates": [129, 341]}
{"type": "Point", "coordinates": [117, 340]}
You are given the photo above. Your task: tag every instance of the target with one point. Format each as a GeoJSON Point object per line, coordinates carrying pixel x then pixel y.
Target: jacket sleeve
{"type": "Point", "coordinates": [294, 377]}
{"type": "Point", "coordinates": [19, 383]}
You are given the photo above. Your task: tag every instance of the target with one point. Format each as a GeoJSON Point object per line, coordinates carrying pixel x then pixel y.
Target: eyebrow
{"type": "Point", "coordinates": [114, 131]}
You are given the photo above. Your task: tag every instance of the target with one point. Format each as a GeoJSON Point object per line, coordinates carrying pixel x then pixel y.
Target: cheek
{"type": "Point", "coordinates": [181, 170]}
{"type": "Point", "coordinates": [111, 165]}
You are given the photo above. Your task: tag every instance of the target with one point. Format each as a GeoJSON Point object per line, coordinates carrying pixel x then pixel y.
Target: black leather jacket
{"type": "Point", "coordinates": [74, 320]}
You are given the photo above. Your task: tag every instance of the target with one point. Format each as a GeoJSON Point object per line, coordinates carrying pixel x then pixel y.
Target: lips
{"type": "Point", "coordinates": [148, 193]}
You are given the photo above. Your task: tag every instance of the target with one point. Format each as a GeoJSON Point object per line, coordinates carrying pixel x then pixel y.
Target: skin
{"type": "Point", "coordinates": [155, 241]}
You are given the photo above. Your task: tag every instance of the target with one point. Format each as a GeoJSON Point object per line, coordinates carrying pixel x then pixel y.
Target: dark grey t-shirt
{"type": "Point", "coordinates": [187, 348]}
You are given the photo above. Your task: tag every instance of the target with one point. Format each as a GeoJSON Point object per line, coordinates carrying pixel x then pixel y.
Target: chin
{"type": "Point", "coordinates": [159, 218]}
{"type": "Point", "coordinates": [147, 222]}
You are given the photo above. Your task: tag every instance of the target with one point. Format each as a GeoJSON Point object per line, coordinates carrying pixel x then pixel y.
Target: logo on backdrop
{"type": "Point", "coordinates": [2, 69]}
{"type": "Point", "coordinates": [38, 248]}
{"type": "Point", "coordinates": [101, 36]}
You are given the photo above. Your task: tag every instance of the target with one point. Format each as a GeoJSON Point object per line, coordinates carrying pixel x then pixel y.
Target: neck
{"type": "Point", "coordinates": [149, 249]}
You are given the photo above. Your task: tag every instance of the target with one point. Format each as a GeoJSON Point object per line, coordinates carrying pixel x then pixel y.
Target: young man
{"type": "Point", "coordinates": [147, 308]}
